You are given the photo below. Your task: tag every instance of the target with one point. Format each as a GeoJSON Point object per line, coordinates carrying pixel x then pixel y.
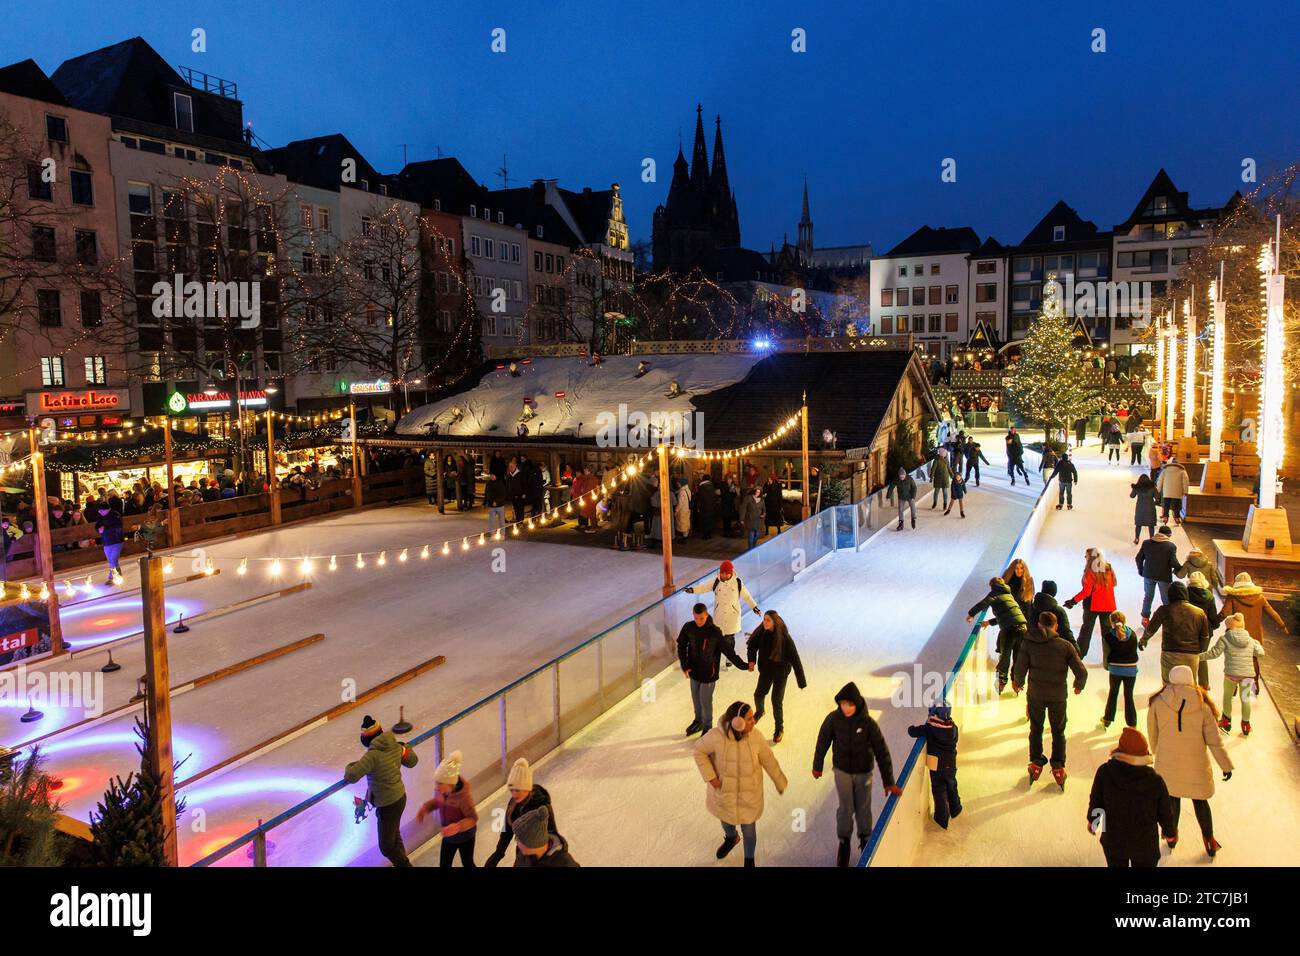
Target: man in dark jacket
{"type": "Point", "coordinates": [497, 466]}
{"type": "Point", "coordinates": [108, 524]}
{"type": "Point", "coordinates": [940, 736]}
{"type": "Point", "coordinates": [382, 765]}
{"type": "Point", "coordinates": [517, 489]}
{"type": "Point", "coordinates": [537, 845]}
{"type": "Point", "coordinates": [1045, 600]}
{"type": "Point", "coordinates": [1010, 620]}
{"type": "Point", "coordinates": [1157, 561]}
{"type": "Point", "coordinates": [1130, 805]}
{"type": "Point", "coordinates": [1066, 475]}
{"type": "Point", "coordinates": [857, 746]}
{"type": "Point", "coordinates": [1015, 456]}
{"type": "Point", "coordinates": [700, 646]}
{"type": "Point", "coordinates": [903, 487]}
{"type": "Point", "coordinates": [1047, 659]}
{"type": "Point", "coordinates": [1186, 631]}
{"type": "Point", "coordinates": [706, 507]}
{"type": "Point", "coordinates": [728, 499]}
{"type": "Point", "coordinates": [495, 497]}
{"type": "Point", "coordinates": [973, 458]}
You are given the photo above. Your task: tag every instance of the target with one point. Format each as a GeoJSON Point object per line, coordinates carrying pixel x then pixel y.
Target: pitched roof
{"type": "Point", "coordinates": [1062, 214]}
{"type": "Point", "coordinates": [28, 80]}
{"type": "Point", "coordinates": [989, 248]}
{"type": "Point", "coordinates": [928, 240]}
{"type": "Point", "coordinates": [443, 179]}
{"type": "Point", "coordinates": [1161, 185]}
{"type": "Point", "coordinates": [737, 264]}
{"type": "Point", "coordinates": [318, 161]}
{"type": "Point", "coordinates": [524, 207]}
{"type": "Point", "coordinates": [590, 209]}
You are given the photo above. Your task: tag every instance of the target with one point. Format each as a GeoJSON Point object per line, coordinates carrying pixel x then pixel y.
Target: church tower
{"type": "Point", "coordinates": [805, 229]}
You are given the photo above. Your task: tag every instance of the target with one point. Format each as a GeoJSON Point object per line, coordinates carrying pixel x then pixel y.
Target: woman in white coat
{"type": "Point", "coordinates": [732, 758]}
{"type": "Point", "coordinates": [1183, 727]}
{"type": "Point", "coordinates": [682, 510]}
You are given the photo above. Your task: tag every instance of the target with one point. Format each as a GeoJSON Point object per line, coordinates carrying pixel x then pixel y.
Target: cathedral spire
{"type": "Point", "coordinates": [805, 229]}
{"type": "Point", "coordinates": [719, 175]}
{"type": "Point", "coordinates": [700, 155]}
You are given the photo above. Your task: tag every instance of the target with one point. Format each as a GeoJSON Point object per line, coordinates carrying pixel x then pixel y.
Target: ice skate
{"type": "Point", "coordinates": [900, 525]}
{"type": "Point", "coordinates": [1212, 847]}
{"type": "Point", "coordinates": [914, 524]}
{"type": "Point", "coordinates": [1225, 724]}
{"type": "Point", "coordinates": [1245, 728]}
{"type": "Point", "coordinates": [1035, 771]}
{"type": "Point", "coordinates": [728, 844]}
{"type": "Point", "coordinates": [695, 725]}
{"type": "Point", "coordinates": [842, 855]}
{"type": "Point", "coordinates": [1058, 774]}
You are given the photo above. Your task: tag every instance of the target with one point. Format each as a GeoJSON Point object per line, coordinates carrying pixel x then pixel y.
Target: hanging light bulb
{"type": "Point", "coordinates": [424, 552]}
{"type": "Point", "coordinates": [275, 568]}
{"type": "Point", "coordinates": [334, 564]}
{"type": "Point", "coordinates": [306, 566]}
{"type": "Point", "coordinates": [464, 544]}
{"type": "Point", "coordinates": [531, 526]}
{"type": "Point", "coordinates": [514, 530]}
{"type": "Point", "coordinates": [69, 590]}
{"type": "Point", "coordinates": [24, 593]}
{"type": "Point", "coordinates": [45, 592]}
{"type": "Point", "coordinates": [89, 585]}
{"type": "Point", "coordinates": [402, 557]}
{"type": "Point", "coordinates": [482, 539]}
{"type": "Point", "coordinates": [209, 568]}
{"type": "Point", "coordinates": [243, 567]}
{"type": "Point", "coordinates": [446, 548]}
{"type": "Point", "coordinates": [497, 536]}
{"type": "Point", "coordinates": [383, 558]}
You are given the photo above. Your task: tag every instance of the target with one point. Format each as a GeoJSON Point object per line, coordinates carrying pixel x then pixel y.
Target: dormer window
{"type": "Point", "coordinates": [539, 231]}
{"type": "Point", "coordinates": [501, 217]}
{"type": "Point", "coordinates": [183, 110]}
{"type": "Point", "coordinates": [1058, 234]}
{"type": "Point", "coordinates": [365, 185]}
{"type": "Point", "coordinates": [473, 211]}
{"type": "Point", "coordinates": [437, 205]}
{"type": "Point", "coordinates": [383, 189]}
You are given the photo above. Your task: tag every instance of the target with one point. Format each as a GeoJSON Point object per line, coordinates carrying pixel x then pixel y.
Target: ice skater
{"type": "Point", "coordinates": [958, 495]}
{"type": "Point", "coordinates": [525, 796]}
{"type": "Point", "coordinates": [537, 844]}
{"type": "Point", "coordinates": [111, 535]}
{"type": "Point", "coordinates": [973, 458]}
{"type": "Point", "coordinates": [728, 591]}
{"type": "Point", "coordinates": [1043, 664]}
{"type": "Point", "coordinates": [904, 488]}
{"type": "Point", "coordinates": [700, 647]}
{"type": "Point", "coordinates": [1120, 658]}
{"type": "Point", "coordinates": [1067, 476]}
{"type": "Point", "coordinates": [941, 479]}
{"type": "Point", "coordinates": [1015, 456]}
{"type": "Point", "coordinates": [940, 736]}
{"type": "Point", "coordinates": [732, 758]}
{"type": "Point", "coordinates": [1129, 805]}
{"type": "Point", "coordinates": [382, 765]}
{"type": "Point", "coordinates": [1011, 625]}
{"type": "Point", "coordinates": [457, 817]}
{"type": "Point", "coordinates": [771, 649]}
{"type": "Point", "coordinates": [1240, 654]}
{"type": "Point", "coordinates": [1097, 592]}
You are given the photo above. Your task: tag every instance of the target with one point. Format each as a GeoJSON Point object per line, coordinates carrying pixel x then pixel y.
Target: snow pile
{"type": "Point", "coordinates": [496, 405]}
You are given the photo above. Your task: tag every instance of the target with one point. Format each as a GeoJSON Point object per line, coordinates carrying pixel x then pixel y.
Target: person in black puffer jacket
{"type": "Point", "coordinates": [1046, 659]}
{"type": "Point", "coordinates": [940, 736]}
{"type": "Point", "coordinates": [1045, 600]}
{"type": "Point", "coordinates": [1010, 620]}
{"type": "Point", "coordinates": [700, 648]}
{"type": "Point", "coordinates": [1130, 805]}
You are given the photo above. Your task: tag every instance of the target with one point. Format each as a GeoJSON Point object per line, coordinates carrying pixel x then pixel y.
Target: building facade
{"type": "Point", "coordinates": [922, 286]}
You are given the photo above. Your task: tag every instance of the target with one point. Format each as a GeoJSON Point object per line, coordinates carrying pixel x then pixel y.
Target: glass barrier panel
{"type": "Point", "coordinates": [618, 663]}
{"type": "Point", "coordinates": [531, 728]}
{"type": "Point", "coordinates": [657, 639]}
{"type": "Point", "coordinates": [579, 690]}
{"type": "Point", "coordinates": [478, 736]}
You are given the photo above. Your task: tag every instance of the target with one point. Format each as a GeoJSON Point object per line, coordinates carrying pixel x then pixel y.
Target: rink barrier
{"type": "Point", "coordinates": [900, 827]}
{"type": "Point", "coordinates": [535, 714]}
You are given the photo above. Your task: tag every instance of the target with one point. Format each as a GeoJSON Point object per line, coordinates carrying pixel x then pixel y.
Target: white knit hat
{"type": "Point", "coordinates": [1182, 674]}
{"type": "Point", "coordinates": [521, 776]}
{"type": "Point", "coordinates": [448, 770]}
{"type": "Point", "coordinates": [1197, 580]}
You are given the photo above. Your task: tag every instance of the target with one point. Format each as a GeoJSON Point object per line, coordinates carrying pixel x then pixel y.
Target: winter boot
{"type": "Point", "coordinates": [842, 856]}
{"type": "Point", "coordinates": [1058, 774]}
{"type": "Point", "coordinates": [900, 525]}
{"type": "Point", "coordinates": [728, 844]}
{"type": "Point", "coordinates": [1225, 724]}
{"type": "Point", "coordinates": [1035, 771]}
{"type": "Point", "coordinates": [749, 861]}
{"type": "Point", "coordinates": [1058, 507]}
{"type": "Point", "coordinates": [913, 523]}
{"type": "Point", "coordinates": [1070, 507]}
{"type": "Point", "coordinates": [1245, 728]}
{"type": "Point", "coordinates": [778, 736]}
{"type": "Point", "coordinates": [1212, 847]}
{"type": "Point", "coordinates": [695, 725]}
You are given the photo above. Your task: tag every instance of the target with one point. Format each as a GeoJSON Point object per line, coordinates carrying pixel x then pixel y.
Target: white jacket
{"type": "Point", "coordinates": [739, 764]}
{"type": "Point", "coordinates": [1183, 734]}
{"type": "Point", "coordinates": [726, 601]}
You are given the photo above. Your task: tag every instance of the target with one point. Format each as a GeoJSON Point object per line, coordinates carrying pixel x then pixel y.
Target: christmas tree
{"type": "Point", "coordinates": [1048, 385]}
{"type": "Point", "coordinates": [128, 826]}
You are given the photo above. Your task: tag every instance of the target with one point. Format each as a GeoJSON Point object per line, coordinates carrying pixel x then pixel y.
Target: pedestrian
{"type": "Point", "coordinates": [1043, 664]}
{"type": "Point", "coordinates": [940, 479]}
{"type": "Point", "coordinates": [700, 648]}
{"type": "Point", "coordinates": [1045, 600]}
{"type": "Point", "coordinates": [1173, 487]}
{"type": "Point", "coordinates": [1114, 438]}
{"type": "Point", "coordinates": [1120, 658]}
{"type": "Point", "coordinates": [495, 497]}
{"type": "Point", "coordinates": [728, 593]}
{"type": "Point", "coordinates": [431, 479]}
{"type": "Point", "coordinates": [1240, 654]}
{"type": "Point", "coordinates": [465, 484]}
{"type": "Point", "coordinates": [751, 514]}
{"type": "Point", "coordinates": [1198, 560]}
{"type": "Point", "coordinates": [1183, 727]}
{"type": "Point", "coordinates": [773, 503]}
{"type": "Point", "coordinates": [732, 758]}
{"type": "Point", "coordinates": [1156, 561]}
{"type": "Point", "coordinates": [940, 736]}
{"type": "Point", "coordinates": [973, 458]}
{"type": "Point", "coordinates": [729, 503]}
{"type": "Point", "coordinates": [857, 746]}
{"type": "Point", "coordinates": [1144, 508]}
{"type": "Point", "coordinates": [1097, 592]}
{"type": "Point", "coordinates": [1015, 456]}
{"type": "Point", "coordinates": [1246, 598]}
{"type": "Point", "coordinates": [1186, 631]}
{"type": "Point", "coordinates": [682, 509]}
{"type": "Point", "coordinates": [904, 488]}
{"type": "Point", "coordinates": [525, 796]}
{"type": "Point", "coordinates": [382, 765]}
{"type": "Point", "coordinates": [639, 502]}
{"type": "Point", "coordinates": [706, 506]}
{"type": "Point", "coordinates": [497, 464]}
{"type": "Point", "coordinates": [958, 494]}
{"type": "Point", "coordinates": [1066, 476]}
{"type": "Point", "coordinates": [1130, 805]}
{"type": "Point", "coordinates": [536, 842]}
{"type": "Point", "coordinates": [1200, 595]}
{"type": "Point", "coordinates": [1011, 625]}
{"type": "Point", "coordinates": [457, 816]}
{"type": "Point", "coordinates": [108, 525]}
{"type": "Point", "coordinates": [517, 488]}
{"type": "Point", "coordinates": [771, 649]}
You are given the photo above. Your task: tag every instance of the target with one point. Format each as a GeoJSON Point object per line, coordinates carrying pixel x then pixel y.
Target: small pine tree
{"type": "Point", "coordinates": [128, 826]}
{"type": "Point", "coordinates": [901, 452]}
{"type": "Point", "coordinates": [28, 836]}
{"type": "Point", "coordinates": [1048, 385]}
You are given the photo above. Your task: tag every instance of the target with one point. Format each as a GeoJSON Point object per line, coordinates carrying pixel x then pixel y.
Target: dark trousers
{"type": "Point", "coordinates": [947, 802]}
{"type": "Point", "coordinates": [1112, 450]}
{"type": "Point", "coordinates": [1202, 810]}
{"type": "Point", "coordinates": [1065, 493]}
{"type": "Point", "coordinates": [1054, 713]}
{"type": "Point", "coordinates": [1016, 465]}
{"type": "Point", "coordinates": [1172, 504]}
{"type": "Point", "coordinates": [975, 467]}
{"type": "Point", "coordinates": [773, 679]}
{"type": "Point", "coordinates": [1112, 700]}
{"type": "Point", "coordinates": [1125, 858]}
{"type": "Point", "coordinates": [1085, 630]}
{"type": "Point", "coordinates": [389, 822]}
{"type": "Point", "coordinates": [1135, 454]}
{"type": "Point", "coordinates": [1137, 530]}
{"type": "Point", "coordinates": [1008, 642]}
{"type": "Point", "coordinates": [449, 850]}
{"type": "Point", "coordinates": [519, 505]}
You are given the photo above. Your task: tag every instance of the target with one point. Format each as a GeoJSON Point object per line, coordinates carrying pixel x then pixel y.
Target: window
{"type": "Point", "coordinates": [473, 211]}
{"type": "Point", "coordinates": [490, 325]}
{"type": "Point", "coordinates": [365, 185]}
{"type": "Point", "coordinates": [918, 323]}
{"type": "Point", "coordinates": [183, 109]}
{"type": "Point", "coordinates": [49, 311]}
{"type": "Point", "coordinates": [182, 152]}
{"type": "Point", "coordinates": [96, 372]}
{"type": "Point", "coordinates": [539, 232]}
{"type": "Point", "coordinates": [550, 262]}
{"type": "Point", "coordinates": [487, 214]}
{"type": "Point", "coordinates": [514, 252]}
{"type": "Point", "coordinates": [308, 264]}
{"type": "Point", "coordinates": [934, 323]}
{"type": "Point", "coordinates": [51, 370]}
{"type": "Point", "coordinates": [56, 128]}
{"type": "Point", "coordinates": [537, 262]}
{"type": "Point", "coordinates": [887, 325]}
{"type": "Point", "coordinates": [92, 312]}
{"type": "Point", "coordinates": [326, 263]}
{"type": "Point", "coordinates": [501, 216]}
{"type": "Point", "coordinates": [504, 248]}
{"type": "Point", "coordinates": [153, 146]}
{"type": "Point", "coordinates": [38, 187]}
{"type": "Point", "coordinates": [559, 263]}
{"type": "Point", "coordinates": [988, 267]}
{"type": "Point", "coordinates": [1058, 234]}
{"type": "Point", "coordinates": [902, 297]}
{"type": "Point", "coordinates": [87, 247]}
{"type": "Point", "coordinates": [950, 322]}
{"type": "Point", "coordinates": [383, 189]}
{"type": "Point", "coordinates": [83, 188]}
{"type": "Point", "coordinates": [1178, 257]}
{"type": "Point", "coordinates": [323, 218]}
{"type": "Point", "coordinates": [475, 246]}
{"type": "Point", "coordinates": [139, 200]}
{"type": "Point", "coordinates": [365, 225]}
{"type": "Point", "coordinates": [935, 294]}
{"type": "Point", "coordinates": [902, 270]}
{"type": "Point", "coordinates": [1158, 206]}
{"type": "Point", "coordinates": [951, 295]}
{"type": "Point", "coordinates": [986, 292]}
{"type": "Point", "coordinates": [886, 297]}
{"type": "Point", "coordinates": [43, 245]}
{"type": "Point", "coordinates": [304, 216]}
{"type": "Point", "coordinates": [489, 248]}
{"type": "Point", "coordinates": [934, 268]}
{"type": "Point", "coordinates": [437, 205]}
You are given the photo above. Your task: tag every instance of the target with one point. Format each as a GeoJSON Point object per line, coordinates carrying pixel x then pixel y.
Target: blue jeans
{"type": "Point", "coordinates": [702, 699]}
{"type": "Point", "coordinates": [1065, 493]}
{"type": "Point", "coordinates": [747, 832]}
{"type": "Point", "coordinates": [111, 553]}
{"type": "Point", "coordinates": [496, 518]}
{"type": "Point", "coordinates": [753, 538]}
{"type": "Point", "coordinates": [1149, 586]}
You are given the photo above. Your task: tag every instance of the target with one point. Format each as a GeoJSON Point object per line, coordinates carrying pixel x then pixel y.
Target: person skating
{"type": "Point", "coordinates": [1198, 560]}
{"type": "Point", "coordinates": [1186, 632]}
{"type": "Point", "coordinates": [1066, 476]}
{"type": "Point", "coordinates": [382, 765]}
{"type": "Point", "coordinates": [904, 489]}
{"type": "Point", "coordinates": [1021, 583]}
{"type": "Point", "coordinates": [771, 650]}
{"type": "Point", "coordinates": [1114, 438]}
{"type": "Point", "coordinates": [108, 525]}
{"type": "Point", "coordinates": [1200, 595]}
{"type": "Point", "coordinates": [857, 746]}
{"type": "Point", "coordinates": [1045, 600]}
{"type": "Point", "coordinates": [1120, 658]}
{"type": "Point", "coordinates": [1047, 462]}
{"type": "Point", "coordinates": [700, 647]}
{"type": "Point", "coordinates": [1137, 441]}
{"type": "Point", "coordinates": [1246, 598]}
{"type": "Point", "coordinates": [940, 479]}
{"type": "Point", "coordinates": [728, 592]}
{"type": "Point", "coordinates": [536, 842]}
{"type": "Point", "coordinates": [525, 796]}
{"type": "Point", "coordinates": [751, 515]}
{"type": "Point", "coordinates": [958, 495]}
{"type": "Point", "coordinates": [1183, 727]}
{"type": "Point", "coordinates": [1097, 592]}
{"type": "Point", "coordinates": [973, 458]}
{"type": "Point", "coordinates": [1156, 560]}
{"type": "Point", "coordinates": [1240, 670]}
{"type": "Point", "coordinates": [1042, 666]}
{"type": "Point", "coordinates": [1173, 485]}
{"type": "Point", "coordinates": [940, 736]}
{"type": "Point", "coordinates": [732, 758]}
{"type": "Point", "coordinates": [1015, 456]}
{"type": "Point", "coordinates": [1129, 805]}
{"type": "Point", "coordinates": [1011, 624]}
{"type": "Point", "coordinates": [1144, 507]}
{"type": "Point", "coordinates": [457, 816]}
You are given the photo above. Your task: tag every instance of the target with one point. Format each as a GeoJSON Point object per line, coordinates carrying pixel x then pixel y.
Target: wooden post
{"type": "Point", "coordinates": [158, 697]}
{"type": "Point", "coordinates": [442, 497]}
{"type": "Point", "coordinates": [356, 460]}
{"type": "Point", "coordinates": [271, 479]}
{"type": "Point", "coordinates": [43, 553]}
{"type": "Point", "coordinates": [666, 519]}
{"type": "Point", "coordinates": [807, 478]}
{"type": "Point", "coordinates": [173, 511]}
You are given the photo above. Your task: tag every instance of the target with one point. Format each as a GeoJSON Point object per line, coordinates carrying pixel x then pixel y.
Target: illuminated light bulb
{"type": "Point", "coordinates": [69, 590]}
{"type": "Point", "coordinates": [361, 561]}
{"type": "Point", "coordinates": [497, 536]}
{"type": "Point", "coordinates": [243, 567]}
{"type": "Point", "coordinates": [24, 593]}
{"type": "Point", "coordinates": [402, 557]}
{"type": "Point", "coordinates": [464, 544]}
{"type": "Point", "coordinates": [168, 566]}
{"type": "Point", "coordinates": [514, 530]}
{"type": "Point", "coordinates": [45, 592]}
{"type": "Point", "coordinates": [482, 538]}
{"type": "Point", "coordinates": [276, 568]}
{"type": "Point", "coordinates": [446, 548]}
{"type": "Point", "coordinates": [568, 508]}
{"type": "Point", "coordinates": [531, 526]}
{"type": "Point", "coordinates": [89, 584]}
{"type": "Point", "coordinates": [306, 565]}
{"type": "Point", "coordinates": [424, 552]}
{"type": "Point", "coordinates": [209, 569]}
{"type": "Point", "coordinates": [334, 564]}
{"type": "Point", "coordinates": [383, 558]}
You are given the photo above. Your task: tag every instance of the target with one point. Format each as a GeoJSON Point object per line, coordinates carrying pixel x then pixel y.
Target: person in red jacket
{"type": "Point", "coordinates": [1097, 595]}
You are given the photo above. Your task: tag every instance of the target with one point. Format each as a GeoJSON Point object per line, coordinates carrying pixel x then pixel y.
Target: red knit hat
{"type": "Point", "coordinates": [1132, 742]}
{"type": "Point", "coordinates": [727, 568]}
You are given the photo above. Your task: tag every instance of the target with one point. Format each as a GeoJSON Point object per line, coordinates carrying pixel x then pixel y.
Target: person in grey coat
{"type": "Point", "coordinates": [904, 488]}
{"type": "Point", "coordinates": [1144, 508]}
{"type": "Point", "coordinates": [752, 514]}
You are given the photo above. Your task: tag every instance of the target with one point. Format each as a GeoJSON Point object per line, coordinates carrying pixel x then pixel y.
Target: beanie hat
{"type": "Point", "coordinates": [521, 776]}
{"type": "Point", "coordinates": [448, 770]}
{"type": "Point", "coordinates": [1178, 591]}
{"type": "Point", "coordinates": [1049, 588]}
{"type": "Point", "coordinates": [1197, 580]}
{"type": "Point", "coordinates": [531, 828]}
{"type": "Point", "coordinates": [941, 710]}
{"type": "Point", "coordinates": [1235, 621]}
{"type": "Point", "coordinates": [1133, 743]}
{"type": "Point", "coordinates": [1182, 674]}
{"type": "Point", "coordinates": [727, 568]}
{"type": "Point", "coordinates": [370, 729]}
{"type": "Point", "coordinates": [1243, 580]}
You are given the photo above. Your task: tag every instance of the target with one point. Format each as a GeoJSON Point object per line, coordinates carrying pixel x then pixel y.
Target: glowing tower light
{"type": "Point", "coordinates": [1189, 373]}
{"type": "Point", "coordinates": [1271, 433]}
{"type": "Point", "coordinates": [1171, 388]}
{"type": "Point", "coordinates": [1218, 314]}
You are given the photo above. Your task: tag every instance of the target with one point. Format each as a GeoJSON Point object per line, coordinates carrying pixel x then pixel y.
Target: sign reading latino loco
{"type": "Point", "coordinates": [54, 401]}
{"type": "Point", "coordinates": [178, 404]}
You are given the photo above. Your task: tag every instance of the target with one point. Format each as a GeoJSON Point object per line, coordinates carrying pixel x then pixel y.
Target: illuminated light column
{"type": "Point", "coordinates": [1218, 313]}
{"type": "Point", "coordinates": [1189, 374]}
{"type": "Point", "coordinates": [1271, 432]}
{"type": "Point", "coordinates": [1160, 371]}
{"type": "Point", "coordinates": [1171, 387]}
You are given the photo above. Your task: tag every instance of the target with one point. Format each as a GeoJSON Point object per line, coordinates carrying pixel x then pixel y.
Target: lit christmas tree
{"type": "Point", "coordinates": [1048, 385]}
